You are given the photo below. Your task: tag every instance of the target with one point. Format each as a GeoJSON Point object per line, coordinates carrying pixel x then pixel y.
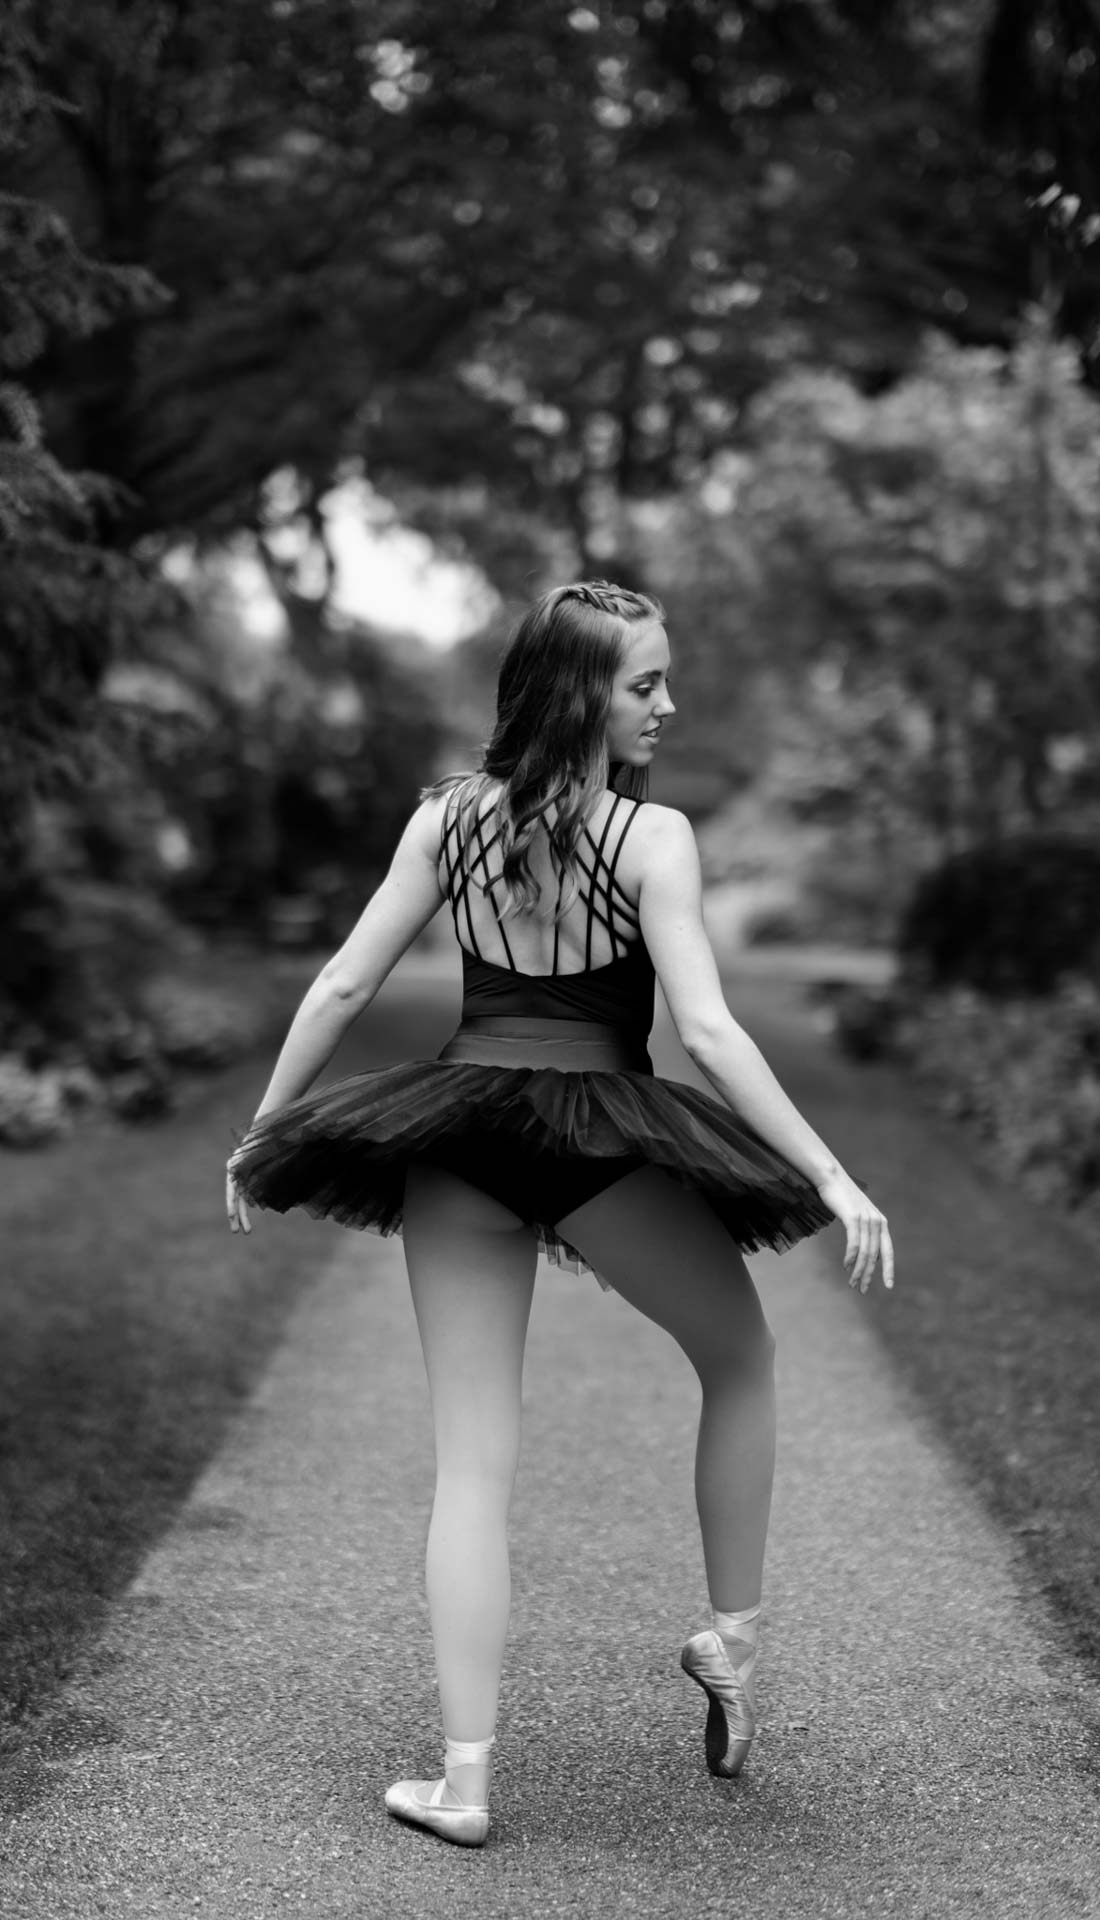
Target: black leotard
{"type": "Point", "coordinates": [593, 1019]}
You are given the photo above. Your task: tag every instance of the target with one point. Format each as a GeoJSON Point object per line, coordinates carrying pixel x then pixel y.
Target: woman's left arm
{"type": "Point", "coordinates": [670, 909]}
{"type": "Point", "coordinates": [402, 906]}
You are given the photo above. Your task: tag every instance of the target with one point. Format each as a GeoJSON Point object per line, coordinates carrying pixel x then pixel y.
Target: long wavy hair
{"type": "Point", "coordinates": [547, 756]}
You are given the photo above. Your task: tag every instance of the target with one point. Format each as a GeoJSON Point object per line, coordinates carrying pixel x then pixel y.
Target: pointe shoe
{"type": "Point", "coordinates": [731, 1722]}
{"type": "Point", "coordinates": [420, 1803]}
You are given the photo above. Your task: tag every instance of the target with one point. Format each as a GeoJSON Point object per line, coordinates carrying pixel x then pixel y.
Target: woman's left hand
{"type": "Point", "coordinates": [868, 1235]}
{"type": "Point", "coordinates": [235, 1205]}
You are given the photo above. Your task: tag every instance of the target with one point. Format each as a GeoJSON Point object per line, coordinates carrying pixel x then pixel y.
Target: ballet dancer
{"type": "Point", "coordinates": [542, 1123]}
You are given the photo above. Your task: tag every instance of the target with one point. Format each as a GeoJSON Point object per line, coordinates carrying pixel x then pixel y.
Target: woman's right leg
{"type": "Point", "coordinates": [664, 1250]}
{"type": "Point", "coordinates": [471, 1268]}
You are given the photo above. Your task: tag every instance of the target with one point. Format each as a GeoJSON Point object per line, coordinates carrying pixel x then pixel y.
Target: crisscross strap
{"type": "Point", "coordinates": [606, 903]}
{"type": "Point", "coordinates": [460, 872]}
{"type": "Point", "coordinates": [616, 915]}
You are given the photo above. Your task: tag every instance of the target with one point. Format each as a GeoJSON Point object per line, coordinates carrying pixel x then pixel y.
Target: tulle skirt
{"type": "Point", "coordinates": [539, 1113]}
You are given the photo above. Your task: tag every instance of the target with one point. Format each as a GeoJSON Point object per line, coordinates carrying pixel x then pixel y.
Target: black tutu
{"type": "Point", "coordinates": [342, 1151]}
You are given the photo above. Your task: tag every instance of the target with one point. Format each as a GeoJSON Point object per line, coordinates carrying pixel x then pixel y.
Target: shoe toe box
{"type": "Point", "coordinates": [402, 1797]}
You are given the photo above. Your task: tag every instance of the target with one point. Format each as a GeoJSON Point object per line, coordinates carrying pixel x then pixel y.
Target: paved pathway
{"type": "Point", "coordinates": [224, 1748]}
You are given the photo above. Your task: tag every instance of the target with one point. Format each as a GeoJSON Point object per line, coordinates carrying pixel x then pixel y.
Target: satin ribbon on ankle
{"type": "Point", "coordinates": [468, 1753]}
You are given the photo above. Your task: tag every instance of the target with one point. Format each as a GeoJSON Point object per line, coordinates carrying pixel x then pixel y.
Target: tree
{"type": "Point", "coordinates": [746, 187]}
{"type": "Point", "coordinates": [307, 767]}
{"type": "Point", "coordinates": [555, 252]}
{"type": "Point", "coordinates": [508, 258]}
{"type": "Point", "coordinates": [67, 599]}
{"type": "Point", "coordinates": [932, 556]}
{"type": "Point", "coordinates": [1040, 103]}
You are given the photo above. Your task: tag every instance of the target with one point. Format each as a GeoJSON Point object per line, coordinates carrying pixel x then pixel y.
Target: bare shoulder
{"type": "Point", "coordinates": [663, 822]}
{"type": "Point", "coordinates": [425, 826]}
{"type": "Point", "coordinates": [663, 833]}
{"type": "Point", "coordinates": [661, 842]}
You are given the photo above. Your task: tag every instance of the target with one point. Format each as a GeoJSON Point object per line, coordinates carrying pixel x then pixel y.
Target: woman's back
{"type": "Point", "coordinates": [599, 924]}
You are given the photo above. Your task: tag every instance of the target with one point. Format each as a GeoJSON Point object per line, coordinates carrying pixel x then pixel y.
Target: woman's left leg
{"type": "Point", "coordinates": [664, 1249]}
{"type": "Point", "coordinates": [471, 1268]}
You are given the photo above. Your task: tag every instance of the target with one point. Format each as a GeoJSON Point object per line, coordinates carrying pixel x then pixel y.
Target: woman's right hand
{"type": "Point", "coordinates": [868, 1234]}
{"type": "Point", "coordinates": [235, 1203]}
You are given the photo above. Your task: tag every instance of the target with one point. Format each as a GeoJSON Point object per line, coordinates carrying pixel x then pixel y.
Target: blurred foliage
{"type": "Point", "coordinates": [934, 556]}
{"type": "Point", "coordinates": [67, 600]}
{"type": "Point", "coordinates": [549, 254]}
{"type": "Point", "coordinates": [264, 787]}
{"type": "Point", "coordinates": [279, 765]}
{"type": "Point", "coordinates": [300, 787]}
{"type": "Point", "coordinates": [1012, 918]}
{"type": "Point", "coordinates": [890, 606]}
{"type": "Point", "coordinates": [1024, 1074]}
{"type": "Point", "coordinates": [74, 953]}
{"type": "Point", "coordinates": [524, 259]}
{"type": "Point", "coordinates": [1020, 1071]}
{"type": "Point", "coordinates": [72, 968]}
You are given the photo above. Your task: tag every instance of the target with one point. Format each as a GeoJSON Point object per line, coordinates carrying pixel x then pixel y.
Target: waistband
{"type": "Point", "coordinates": [569, 1046]}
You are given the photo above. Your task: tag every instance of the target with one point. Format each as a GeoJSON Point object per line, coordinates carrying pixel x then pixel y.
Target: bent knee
{"type": "Point", "coordinates": [738, 1354]}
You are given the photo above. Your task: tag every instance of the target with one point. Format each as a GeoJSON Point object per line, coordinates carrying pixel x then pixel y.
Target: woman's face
{"type": "Point", "coordinates": [640, 702]}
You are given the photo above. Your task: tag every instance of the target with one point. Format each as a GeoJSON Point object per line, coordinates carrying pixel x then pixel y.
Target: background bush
{"type": "Point", "coordinates": [1024, 1073]}
{"type": "Point", "coordinates": [1013, 918]}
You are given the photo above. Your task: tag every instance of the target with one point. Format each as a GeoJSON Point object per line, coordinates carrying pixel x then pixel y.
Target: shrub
{"type": "Point", "coordinates": [32, 1105]}
{"type": "Point", "coordinates": [864, 1019]}
{"type": "Point", "coordinates": [203, 1026]}
{"type": "Point", "coordinates": [73, 949]}
{"type": "Point", "coordinates": [1012, 918]}
{"type": "Point", "coordinates": [1025, 1074]}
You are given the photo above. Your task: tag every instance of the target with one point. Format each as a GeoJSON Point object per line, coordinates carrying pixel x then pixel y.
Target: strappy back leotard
{"type": "Point", "coordinates": [615, 996]}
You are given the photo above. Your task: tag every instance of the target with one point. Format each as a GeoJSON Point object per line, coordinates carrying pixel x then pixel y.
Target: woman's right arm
{"type": "Point", "coordinates": [670, 906]}
{"type": "Point", "coordinates": [399, 909]}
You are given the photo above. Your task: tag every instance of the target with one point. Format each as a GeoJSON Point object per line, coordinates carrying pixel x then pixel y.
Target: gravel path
{"type": "Point", "coordinates": [929, 1742]}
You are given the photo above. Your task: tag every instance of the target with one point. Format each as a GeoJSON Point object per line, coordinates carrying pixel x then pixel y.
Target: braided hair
{"type": "Point", "coordinates": [546, 764]}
